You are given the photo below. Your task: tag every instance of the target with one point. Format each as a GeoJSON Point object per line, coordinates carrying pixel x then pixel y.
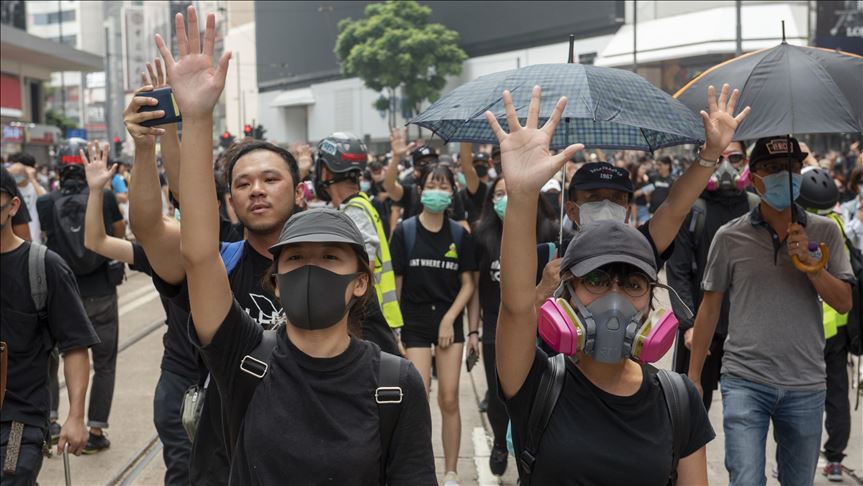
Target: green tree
{"type": "Point", "coordinates": [59, 120]}
{"type": "Point", "coordinates": [394, 47]}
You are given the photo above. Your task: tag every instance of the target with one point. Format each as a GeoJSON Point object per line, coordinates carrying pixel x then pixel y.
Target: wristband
{"type": "Point", "coordinates": [707, 163]}
{"type": "Point", "coordinates": [472, 333]}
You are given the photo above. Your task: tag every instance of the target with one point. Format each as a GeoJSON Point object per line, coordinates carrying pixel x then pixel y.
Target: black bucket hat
{"type": "Point", "coordinates": [321, 225]}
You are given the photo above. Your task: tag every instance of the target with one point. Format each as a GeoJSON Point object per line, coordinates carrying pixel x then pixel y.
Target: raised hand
{"type": "Point", "coordinates": [154, 75]}
{"type": "Point", "coordinates": [398, 143]}
{"type": "Point", "coordinates": [196, 82]}
{"type": "Point", "coordinates": [524, 154]}
{"type": "Point", "coordinates": [141, 135]}
{"type": "Point", "coordinates": [96, 166]}
{"type": "Point", "coordinates": [720, 123]}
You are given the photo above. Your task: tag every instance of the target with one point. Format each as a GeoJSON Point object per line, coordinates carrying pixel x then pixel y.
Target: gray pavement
{"type": "Point", "coordinates": [135, 453]}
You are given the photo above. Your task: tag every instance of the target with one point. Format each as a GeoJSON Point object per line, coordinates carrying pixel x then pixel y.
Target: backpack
{"type": "Point", "coordinates": [550, 386]}
{"type": "Point", "coordinates": [255, 365]}
{"type": "Point", "coordinates": [409, 226]}
{"type": "Point", "coordinates": [38, 280]}
{"type": "Point", "coordinates": [68, 242]}
{"type": "Point", "coordinates": [855, 316]}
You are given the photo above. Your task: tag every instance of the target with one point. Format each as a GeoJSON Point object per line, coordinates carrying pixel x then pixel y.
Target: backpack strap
{"type": "Point", "coordinates": [409, 229]}
{"type": "Point", "coordinates": [699, 214]}
{"type": "Point", "coordinates": [231, 254]}
{"type": "Point", "coordinates": [677, 400]}
{"type": "Point", "coordinates": [550, 386]}
{"type": "Point", "coordinates": [253, 368]}
{"type": "Point", "coordinates": [388, 397]}
{"type": "Point", "coordinates": [38, 280]}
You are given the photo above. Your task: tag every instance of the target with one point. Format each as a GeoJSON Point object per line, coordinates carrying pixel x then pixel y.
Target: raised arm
{"type": "Point", "coordinates": [161, 241]}
{"type": "Point", "coordinates": [399, 149]}
{"type": "Point", "coordinates": [719, 128]}
{"type": "Point", "coordinates": [703, 329]}
{"type": "Point", "coordinates": [465, 159]}
{"type": "Point", "coordinates": [527, 165]}
{"type": "Point", "coordinates": [197, 85]}
{"type": "Point", "coordinates": [96, 239]}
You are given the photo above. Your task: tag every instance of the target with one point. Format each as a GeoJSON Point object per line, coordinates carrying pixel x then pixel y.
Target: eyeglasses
{"type": "Point", "coordinates": [633, 284]}
{"type": "Point", "coordinates": [734, 158]}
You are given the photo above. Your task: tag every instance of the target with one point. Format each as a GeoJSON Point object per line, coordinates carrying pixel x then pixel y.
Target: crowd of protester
{"type": "Point", "coordinates": [439, 257]}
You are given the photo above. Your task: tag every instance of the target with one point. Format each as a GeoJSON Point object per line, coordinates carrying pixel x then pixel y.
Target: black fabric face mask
{"type": "Point", "coordinates": [481, 170]}
{"type": "Point", "coordinates": [307, 295]}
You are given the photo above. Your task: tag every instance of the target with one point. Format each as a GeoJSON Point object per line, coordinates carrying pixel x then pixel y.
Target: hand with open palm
{"type": "Point", "coordinates": [196, 82]}
{"type": "Point", "coordinates": [719, 121]}
{"type": "Point", "coordinates": [96, 166]}
{"type": "Point", "coordinates": [524, 151]}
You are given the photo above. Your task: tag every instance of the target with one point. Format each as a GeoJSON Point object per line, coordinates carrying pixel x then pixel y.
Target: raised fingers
{"type": "Point", "coordinates": [160, 73]}
{"type": "Point", "coordinates": [194, 33]}
{"type": "Point", "coordinates": [533, 108]}
{"type": "Point", "coordinates": [554, 119]}
{"type": "Point", "coordinates": [711, 99]}
{"type": "Point", "coordinates": [182, 40]}
{"type": "Point", "coordinates": [743, 113]}
{"type": "Point", "coordinates": [210, 35]}
{"type": "Point", "coordinates": [165, 52]}
{"type": "Point", "coordinates": [732, 101]}
{"type": "Point", "coordinates": [152, 73]}
{"type": "Point", "coordinates": [511, 117]}
{"type": "Point", "coordinates": [495, 126]}
{"type": "Point", "coordinates": [723, 97]}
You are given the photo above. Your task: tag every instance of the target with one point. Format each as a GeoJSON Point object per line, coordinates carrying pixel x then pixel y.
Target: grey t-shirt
{"type": "Point", "coordinates": [775, 324]}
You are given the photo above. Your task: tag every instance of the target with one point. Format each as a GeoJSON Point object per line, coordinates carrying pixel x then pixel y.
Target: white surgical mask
{"type": "Point", "coordinates": [601, 211]}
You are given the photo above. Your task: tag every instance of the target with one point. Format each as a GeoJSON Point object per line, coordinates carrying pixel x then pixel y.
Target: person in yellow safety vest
{"type": "Point", "coordinates": [340, 160]}
{"type": "Point", "coordinates": [818, 195]}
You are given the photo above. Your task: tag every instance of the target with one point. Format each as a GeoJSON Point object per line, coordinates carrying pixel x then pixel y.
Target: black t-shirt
{"type": "Point", "coordinates": [636, 430]}
{"type": "Point", "coordinates": [384, 208]}
{"type": "Point", "coordinates": [94, 284]}
{"type": "Point", "coordinates": [30, 338]}
{"type": "Point", "coordinates": [662, 186]}
{"type": "Point", "coordinates": [473, 203]}
{"type": "Point", "coordinates": [324, 411]}
{"type": "Point", "coordinates": [432, 272]}
{"type": "Point", "coordinates": [180, 356]}
{"type": "Point", "coordinates": [411, 205]}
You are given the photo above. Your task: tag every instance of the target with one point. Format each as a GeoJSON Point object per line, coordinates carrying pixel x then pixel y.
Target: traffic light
{"type": "Point", "coordinates": [226, 139]}
{"type": "Point", "coordinates": [247, 130]}
{"type": "Point", "coordinates": [118, 146]}
{"type": "Point", "coordinates": [259, 132]}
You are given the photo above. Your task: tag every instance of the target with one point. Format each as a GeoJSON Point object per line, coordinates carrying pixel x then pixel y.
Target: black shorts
{"type": "Point", "coordinates": [422, 324]}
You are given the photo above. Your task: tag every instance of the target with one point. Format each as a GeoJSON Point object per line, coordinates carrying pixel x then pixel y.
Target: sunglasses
{"type": "Point", "coordinates": [734, 158]}
{"type": "Point", "coordinates": [633, 284]}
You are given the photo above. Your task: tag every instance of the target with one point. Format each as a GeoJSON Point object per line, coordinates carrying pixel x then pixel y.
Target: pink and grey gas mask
{"type": "Point", "coordinates": [609, 329]}
{"type": "Point", "coordinates": [727, 178]}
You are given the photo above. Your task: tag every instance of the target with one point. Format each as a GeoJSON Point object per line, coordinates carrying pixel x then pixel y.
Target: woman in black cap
{"type": "Point", "coordinates": [611, 424]}
{"type": "Point", "coordinates": [314, 411]}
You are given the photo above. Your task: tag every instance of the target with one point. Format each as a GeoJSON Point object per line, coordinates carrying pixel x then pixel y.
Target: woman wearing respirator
{"type": "Point", "coordinates": [611, 424]}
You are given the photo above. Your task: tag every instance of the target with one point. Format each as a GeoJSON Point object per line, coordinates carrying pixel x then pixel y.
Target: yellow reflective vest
{"type": "Point", "coordinates": [385, 278]}
{"type": "Point", "coordinates": [833, 319]}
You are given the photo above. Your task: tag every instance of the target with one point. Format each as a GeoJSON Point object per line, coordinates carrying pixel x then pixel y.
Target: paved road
{"type": "Point", "coordinates": [135, 453]}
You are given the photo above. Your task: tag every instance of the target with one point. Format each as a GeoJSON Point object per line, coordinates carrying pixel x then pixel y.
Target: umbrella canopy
{"type": "Point", "coordinates": [791, 89]}
{"type": "Point", "coordinates": [606, 108]}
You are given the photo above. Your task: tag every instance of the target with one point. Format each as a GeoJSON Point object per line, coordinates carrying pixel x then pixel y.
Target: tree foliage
{"type": "Point", "coordinates": [394, 47]}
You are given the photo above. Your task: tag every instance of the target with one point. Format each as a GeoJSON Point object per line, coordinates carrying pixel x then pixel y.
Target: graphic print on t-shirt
{"type": "Point", "coordinates": [265, 313]}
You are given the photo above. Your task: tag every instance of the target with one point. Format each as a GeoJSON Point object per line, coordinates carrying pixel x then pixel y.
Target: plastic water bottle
{"type": "Point", "coordinates": [815, 251]}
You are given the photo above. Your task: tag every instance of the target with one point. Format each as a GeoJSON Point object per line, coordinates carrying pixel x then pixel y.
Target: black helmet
{"type": "Point", "coordinates": [422, 152]}
{"type": "Point", "coordinates": [69, 158]}
{"type": "Point", "coordinates": [345, 156]}
{"type": "Point", "coordinates": [817, 191]}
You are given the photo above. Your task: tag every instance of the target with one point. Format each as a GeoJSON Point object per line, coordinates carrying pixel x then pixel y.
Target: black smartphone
{"type": "Point", "coordinates": [166, 103]}
{"type": "Point", "coordinates": [472, 358]}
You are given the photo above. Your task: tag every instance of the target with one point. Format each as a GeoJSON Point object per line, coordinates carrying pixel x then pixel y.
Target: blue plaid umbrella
{"type": "Point", "coordinates": [607, 108]}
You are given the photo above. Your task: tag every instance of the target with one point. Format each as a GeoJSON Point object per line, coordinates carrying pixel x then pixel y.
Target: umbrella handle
{"type": "Point", "coordinates": [815, 267]}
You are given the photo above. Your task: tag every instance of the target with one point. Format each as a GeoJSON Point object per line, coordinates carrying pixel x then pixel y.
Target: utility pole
{"type": "Point", "coordinates": [738, 38]}
{"type": "Point", "coordinates": [635, 36]}
{"type": "Point", "coordinates": [108, 95]}
{"type": "Point", "coordinates": [62, 73]}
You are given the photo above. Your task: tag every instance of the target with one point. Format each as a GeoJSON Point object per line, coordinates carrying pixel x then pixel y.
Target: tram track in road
{"type": "Point", "coordinates": [139, 461]}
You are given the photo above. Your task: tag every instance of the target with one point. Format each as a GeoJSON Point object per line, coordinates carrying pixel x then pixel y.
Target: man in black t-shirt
{"type": "Point", "coordinates": [29, 332]}
{"type": "Point", "coordinates": [476, 174]}
{"type": "Point", "coordinates": [661, 182]}
{"type": "Point", "coordinates": [98, 288]}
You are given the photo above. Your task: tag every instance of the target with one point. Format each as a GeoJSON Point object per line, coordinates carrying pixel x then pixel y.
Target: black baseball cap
{"type": "Point", "coordinates": [7, 183]}
{"type": "Point", "coordinates": [590, 249]}
{"type": "Point", "coordinates": [481, 157]}
{"type": "Point", "coordinates": [321, 225]}
{"type": "Point", "coordinates": [601, 175]}
{"type": "Point", "coordinates": [769, 148]}
{"type": "Point", "coordinates": [421, 152]}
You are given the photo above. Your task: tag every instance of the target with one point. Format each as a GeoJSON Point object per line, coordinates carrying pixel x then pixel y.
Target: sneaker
{"type": "Point", "coordinates": [497, 461]}
{"type": "Point", "coordinates": [96, 443]}
{"type": "Point", "coordinates": [450, 479]}
{"type": "Point", "coordinates": [833, 471]}
{"type": "Point", "coordinates": [54, 428]}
